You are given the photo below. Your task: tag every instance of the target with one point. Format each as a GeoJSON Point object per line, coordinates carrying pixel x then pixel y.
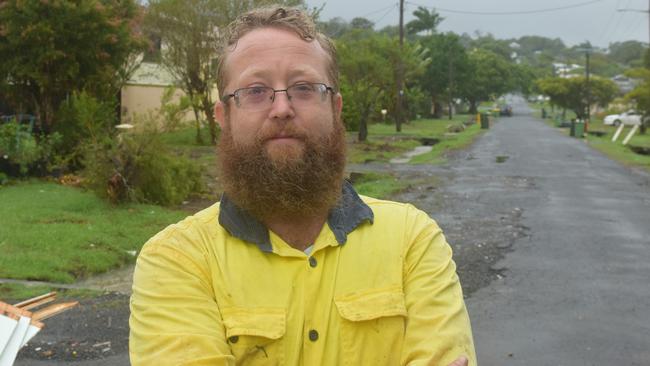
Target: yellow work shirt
{"type": "Point", "coordinates": [382, 292]}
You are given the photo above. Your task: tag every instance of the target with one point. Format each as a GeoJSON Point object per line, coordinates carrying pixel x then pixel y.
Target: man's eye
{"type": "Point", "coordinates": [303, 88]}
{"type": "Point", "coordinates": [256, 91]}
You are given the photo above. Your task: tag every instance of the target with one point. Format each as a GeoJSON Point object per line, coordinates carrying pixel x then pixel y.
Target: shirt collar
{"type": "Point", "coordinates": [346, 216]}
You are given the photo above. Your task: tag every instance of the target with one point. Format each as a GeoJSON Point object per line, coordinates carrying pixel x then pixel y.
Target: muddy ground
{"type": "Point", "coordinates": [479, 235]}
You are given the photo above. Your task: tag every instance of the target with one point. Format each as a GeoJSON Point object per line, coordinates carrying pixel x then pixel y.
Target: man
{"type": "Point", "coordinates": [292, 267]}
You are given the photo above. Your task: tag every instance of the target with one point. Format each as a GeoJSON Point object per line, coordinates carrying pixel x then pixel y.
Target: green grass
{"type": "Point", "coordinates": [384, 143]}
{"type": "Point", "coordinates": [379, 185]}
{"type": "Point", "coordinates": [616, 150]}
{"type": "Point", "coordinates": [448, 144]}
{"type": "Point", "coordinates": [55, 233]}
{"type": "Point", "coordinates": [186, 137]}
{"type": "Point", "coordinates": [380, 149]}
{"type": "Point", "coordinates": [18, 292]}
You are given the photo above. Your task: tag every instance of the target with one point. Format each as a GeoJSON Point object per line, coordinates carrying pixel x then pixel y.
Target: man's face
{"type": "Point", "coordinates": [286, 160]}
{"type": "Point", "coordinates": [278, 59]}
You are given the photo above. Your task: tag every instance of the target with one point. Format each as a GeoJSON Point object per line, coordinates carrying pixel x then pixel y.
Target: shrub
{"type": "Point", "coordinates": [83, 118]}
{"type": "Point", "coordinates": [22, 152]}
{"type": "Point", "coordinates": [173, 113]}
{"type": "Point", "coordinates": [137, 166]}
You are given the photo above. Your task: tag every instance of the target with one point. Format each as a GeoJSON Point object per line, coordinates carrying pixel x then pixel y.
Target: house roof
{"type": "Point", "coordinates": [150, 73]}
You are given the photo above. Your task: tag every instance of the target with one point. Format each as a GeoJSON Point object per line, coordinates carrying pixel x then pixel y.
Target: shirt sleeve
{"type": "Point", "coordinates": [174, 317]}
{"type": "Point", "coordinates": [438, 329]}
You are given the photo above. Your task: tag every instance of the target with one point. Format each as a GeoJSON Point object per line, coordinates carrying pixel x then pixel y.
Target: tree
{"type": "Point", "coordinates": [641, 94]}
{"type": "Point", "coordinates": [425, 20]}
{"type": "Point", "coordinates": [335, 27]}
{"type": "Point", "coordinates": [447, 70]}
{"type": "Point", "coordinates": [489, 77]}
{"type": "Point", "coordinates": [189, 30]}
{"type": "Point", "coordinates": [627, 53]}
{"type": "Point", "coordinates": [361, 23]}
{"type": "Point", "coordinates": [368, 75]}
{"type": "Point", "coordinates": [487, 42]}
{"type": "Point", "coordinates": [51, 49]}
{"type": "Point", "coordinates": [571, 93]}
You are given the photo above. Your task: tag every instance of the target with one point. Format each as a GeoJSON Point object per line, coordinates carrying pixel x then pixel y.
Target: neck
{"type": "Point", "coordinates": [299, 233]}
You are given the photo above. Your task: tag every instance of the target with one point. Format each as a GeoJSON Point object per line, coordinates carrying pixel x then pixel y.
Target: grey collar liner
{"type": "Point", "coordinates": [346, 216]}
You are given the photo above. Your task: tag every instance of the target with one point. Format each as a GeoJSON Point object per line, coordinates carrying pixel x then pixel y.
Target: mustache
{"type": "Point", "coordinates": [288, 130]}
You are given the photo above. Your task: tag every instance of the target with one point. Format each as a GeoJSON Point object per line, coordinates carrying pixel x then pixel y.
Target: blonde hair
{"type": "Point", "coordinates": [292, 19]}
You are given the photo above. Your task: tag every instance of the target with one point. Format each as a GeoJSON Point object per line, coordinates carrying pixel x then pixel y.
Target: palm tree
{"type": "Point", "coordinates": [425, 21]}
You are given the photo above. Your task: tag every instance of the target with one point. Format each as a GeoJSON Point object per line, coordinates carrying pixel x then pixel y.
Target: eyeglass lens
{"type": "Point", "coordinates": [260, 97]}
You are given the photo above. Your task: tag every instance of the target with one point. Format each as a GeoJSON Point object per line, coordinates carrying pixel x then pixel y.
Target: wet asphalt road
{"type": "Point", "coordinates": [575, 291]}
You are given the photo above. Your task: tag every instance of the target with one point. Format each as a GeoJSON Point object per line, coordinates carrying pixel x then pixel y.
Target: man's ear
{"type": "Point", "coordinates": [220, 113]}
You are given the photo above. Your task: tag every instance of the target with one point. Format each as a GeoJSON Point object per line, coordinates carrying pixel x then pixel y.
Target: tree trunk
{"type": "Point", "coordinates": [451, 113]}
{"type": "Point", "coordinates": [363, 128]}
{"type": "Point", "coordinates": [209, 115]}
{"type": "Point", "coordinates": [46, 114]}
{"type": "Point", "coordinates": [197, 124]}
{"type": "Point", "coordinates": [472, 107]}
{"type": "Point", "coordinates": [437, 110]}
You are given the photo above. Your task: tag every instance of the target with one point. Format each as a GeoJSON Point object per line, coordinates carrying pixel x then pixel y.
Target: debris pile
{"type": "Point", "coordinates": [21, 322]}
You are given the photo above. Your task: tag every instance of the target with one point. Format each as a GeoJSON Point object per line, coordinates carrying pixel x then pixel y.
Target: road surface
{"type": "Point", "coordinates": [576, 290]}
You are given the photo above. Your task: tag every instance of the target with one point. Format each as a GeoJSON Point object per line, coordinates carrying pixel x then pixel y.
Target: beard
{"type": "Point", "coordinates": [286, 184]}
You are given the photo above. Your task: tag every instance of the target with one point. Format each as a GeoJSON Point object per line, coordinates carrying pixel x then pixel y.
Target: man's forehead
{"type": "Point", "coordinates": [273, 39]}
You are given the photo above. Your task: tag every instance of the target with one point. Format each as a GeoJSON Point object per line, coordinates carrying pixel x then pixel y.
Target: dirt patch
{"type": "Point", "coordinates": [480, 235]}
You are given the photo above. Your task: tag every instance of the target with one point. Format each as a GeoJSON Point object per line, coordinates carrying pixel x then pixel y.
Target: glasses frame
{"type": "Point", "coordinates": [235, 94]}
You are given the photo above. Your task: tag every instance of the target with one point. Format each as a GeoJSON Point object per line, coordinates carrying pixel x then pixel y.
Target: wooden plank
{"type": "Point", "coordinates": [36, 301]}
{"type": "Point", "coordinates": [53, 310]}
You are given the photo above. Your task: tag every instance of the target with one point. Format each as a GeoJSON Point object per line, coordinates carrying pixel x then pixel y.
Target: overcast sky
{"type": "Point", "coordinates": [597, 21]}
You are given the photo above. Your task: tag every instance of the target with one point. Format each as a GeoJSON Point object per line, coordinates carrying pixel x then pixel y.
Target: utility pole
{"type": "Point", "coordinates": [400, 70]}
{"type": "Point", "coordinates": [587, 51]}
{"type": "Point", "coordinates": [450, 71]}
{"type": "Point", "coordinates": [588, 93]}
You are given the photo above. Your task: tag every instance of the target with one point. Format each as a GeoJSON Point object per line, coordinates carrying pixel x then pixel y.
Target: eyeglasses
{"type": "Point", "coordinates": [262, 97]}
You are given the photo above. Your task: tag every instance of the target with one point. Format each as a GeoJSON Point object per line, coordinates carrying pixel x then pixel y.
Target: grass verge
{"type": "Point", "coordinates": [378, 185]}
{"type": "Point", "coordinates": [18, 292]}
{"type": "Point", "coordinates": [55, 233]}
{"type": "Point", "coordinates": [616, 150]}
{"type": "Point", "coordinates": [384, 143]}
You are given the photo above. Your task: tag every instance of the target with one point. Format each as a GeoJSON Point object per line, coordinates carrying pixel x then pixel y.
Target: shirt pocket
{"type": "Point", "coordinates": [372, 326]}
{"type": "Point", "coordinates": [255, 335]}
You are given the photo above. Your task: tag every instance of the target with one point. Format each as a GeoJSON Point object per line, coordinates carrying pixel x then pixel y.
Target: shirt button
{"type": "Point", "coordinates": [312, 262]}
{"type": "Point", "coordinates": [313, 335]}
{"type": "Point", "coordinates": [233, 339]}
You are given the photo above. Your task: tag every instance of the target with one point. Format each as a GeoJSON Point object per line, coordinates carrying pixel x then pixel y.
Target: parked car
{"type": "Point", "coordinates": [505, 110]}
{"type": "Point", "coordinates": [629, 118]}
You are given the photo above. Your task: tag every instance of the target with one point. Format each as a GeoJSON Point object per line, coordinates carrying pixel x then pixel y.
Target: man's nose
{"type": "Point", "coordinates": [281, 107]}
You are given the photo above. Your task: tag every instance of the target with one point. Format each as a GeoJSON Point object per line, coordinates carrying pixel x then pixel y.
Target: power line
{"type": "Point", "coordinates": [614, 15]}
{"type": "Point", "coordinates": [393, 5]}
{"type": "Point", "coordinates": [390, 10]}
{"type": "Point", "coordinates": [632, 27]}
{"type": "Point", "coordinates": [537, 11]}
{"type": "Point", "coordinates": [616, 29]}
